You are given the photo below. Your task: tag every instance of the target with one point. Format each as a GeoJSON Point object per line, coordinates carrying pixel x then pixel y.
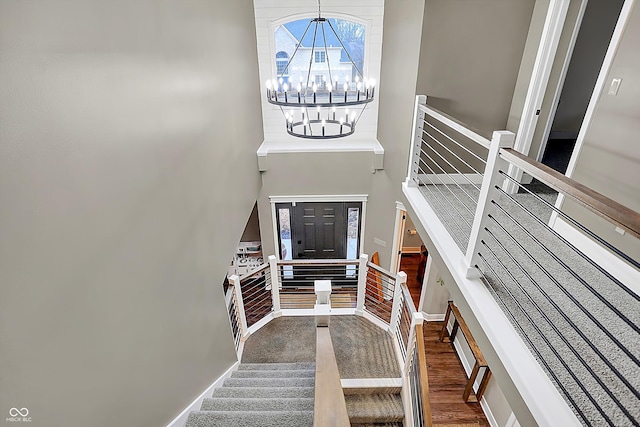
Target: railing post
{"type": "Point", "coordinates": [491, 178]}
{"type": "Point", "coordinates": [242, 317]}
{"type": "Point", "coordinates": [416, 319]}
{"type": "Point", "coordinates": [401, 279]}
{"type": "Point", "coordinates": [363, 270]}
{"type": "Point", "coordinates": [275, 285]}
{"type": "Point", "coordinates": [416, 138]}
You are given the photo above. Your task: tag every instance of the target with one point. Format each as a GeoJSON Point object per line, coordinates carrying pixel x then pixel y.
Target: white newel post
{"type": "Point", "coordinates": [235, 282]}
{"type": "Point", "coordinates": [362, 283]}
{"type": "Point", "coordinates": [275, 285]}
{"type": "Point", "coordinates": [491, 178]}
{"type": "Point", "coordinates": [401, 279]}
{"type": "Point", "coordinates": [416, 138]}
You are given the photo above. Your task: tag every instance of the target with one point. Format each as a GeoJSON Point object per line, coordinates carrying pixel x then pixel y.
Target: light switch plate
{"type": "Point", "coordinates": [379, 242]}
{"type": "Point", "coordinates": [615, 85]}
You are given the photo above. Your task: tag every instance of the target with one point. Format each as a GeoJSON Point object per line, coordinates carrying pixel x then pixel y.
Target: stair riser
{"type": "Point", "coordinates": [269, 382]}
{"type": "Point", "coordinates": [274, 374]}
{"type": "Point", "coordinates": [257, 404]}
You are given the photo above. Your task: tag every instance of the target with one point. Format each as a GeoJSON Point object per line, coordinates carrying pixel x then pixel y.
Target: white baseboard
{"type": "Point", "coordinates": [487, 412]}
{"type": "Point", "coordinates": [410, 250]}
{"type": "Point", "coordinates": [434, 317]}
{"type": "Point", "coordinates": [181, 419]}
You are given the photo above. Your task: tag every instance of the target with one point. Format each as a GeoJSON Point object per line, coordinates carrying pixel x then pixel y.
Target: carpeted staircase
{"type": "Point", "coordinates": [261, 394]}
{"type": "Point", "coordinates": [380, 407]}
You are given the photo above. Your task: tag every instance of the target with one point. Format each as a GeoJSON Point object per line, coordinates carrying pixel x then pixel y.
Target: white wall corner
{"type": "Point", "coordinates": [181, 419]}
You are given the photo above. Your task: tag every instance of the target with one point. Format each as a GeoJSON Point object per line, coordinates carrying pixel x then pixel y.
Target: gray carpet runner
{"type": "Point", "coordinates": [261, 395]}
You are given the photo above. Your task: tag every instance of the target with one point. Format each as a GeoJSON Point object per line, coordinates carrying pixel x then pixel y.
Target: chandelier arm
{"type": "Point", "coordinates": [345, 49]}
{"type": "Point", "coordinates": [326, 52]}
{"type": "Point", "coordinates": [296, 49]}
{"type": "Point", "coordinates": [313, 46]}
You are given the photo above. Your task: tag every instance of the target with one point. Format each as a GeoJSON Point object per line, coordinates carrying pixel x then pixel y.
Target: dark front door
{"type": "Point", "coordinates": [319, 231]}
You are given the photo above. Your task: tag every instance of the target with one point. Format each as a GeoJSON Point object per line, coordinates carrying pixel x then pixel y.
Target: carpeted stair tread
{"type": "Point", "coordinates": [277, 366]}
{"type": "Point", "coordinates": [269, 382]}
{"type": "Point", "coordinates": [257, 404]}
{"type": "Point", "coordinates": [250, 419]}
{"type": "Point", "coordinates": [374, 408]}
{"type": "Point", "coordinates": [264, 392]}
{"type": "Point", "coordinates": [282, 373]}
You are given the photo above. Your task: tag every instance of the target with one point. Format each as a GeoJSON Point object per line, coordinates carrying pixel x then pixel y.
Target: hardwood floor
{"type": "Point", "coordinates": [409, 264]}
{"type": "Point", "coordinates": [447, 381]}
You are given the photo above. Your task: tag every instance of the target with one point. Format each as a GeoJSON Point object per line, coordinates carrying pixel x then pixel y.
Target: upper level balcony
{"type": "Point", "coordinates": [557, 302]}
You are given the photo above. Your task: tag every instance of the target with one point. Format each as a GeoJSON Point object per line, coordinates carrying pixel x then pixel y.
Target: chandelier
{"type": "Point", "coordinates": [324, 102]}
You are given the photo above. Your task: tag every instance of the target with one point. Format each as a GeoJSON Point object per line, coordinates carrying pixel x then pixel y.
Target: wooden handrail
{"type": "Point", "coordinates": [473, 345]}
{"type": "Point", "coordinates": [424, 377]}
{"type": "Point", "coordinates": [330, 408]}
{"type": "Point", "coordinates": [609, 209]}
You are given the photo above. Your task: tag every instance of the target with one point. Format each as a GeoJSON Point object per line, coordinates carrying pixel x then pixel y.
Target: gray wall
{"type": "Point", "coordinates": [470, 57]}
{"type": "Point", "coordinates": [118, 216]}
{"type": "Point", "coordinates": [252, 229]}
{"type": "Point", "coordinates": [609, 161]}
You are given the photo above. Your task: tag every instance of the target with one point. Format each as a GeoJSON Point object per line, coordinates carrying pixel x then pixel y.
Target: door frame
{"type": "Point", "coordinates": [356, 198]}
{"type": "Point", "coordinates": [398, 238]}
{"type": "Point", "coordinates": [561, 80]}
{"type": "Point", "coordinates": [551, 32]}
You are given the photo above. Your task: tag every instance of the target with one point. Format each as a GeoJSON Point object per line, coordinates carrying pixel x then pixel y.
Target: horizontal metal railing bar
{"type": "Point", "coordinates": [439, 176]}
{"type": "Point", "coordinates": [601, 205]}
{"type": "Point", "coordinates": [535, 349]}
{"type": "Point", "coordinates": [565, 341]}
{"type": "Point", "coordinates": [253, 292]}
{"type": "Point", "coordinates": [455, 142]}
{"type": "Point", "coordinates": [455, 125]}
{"type": "Point", "coordinates": [451, 152]}
{"type": "Point", "coordinates": [381, 270]}
{"type": "Point", "coordinates": [574, 300]}
{"type": "Point", "coordinates": [581, 228]}
{"type": "Point", "coordinates": [318, 262]}
{"type": "Point", "coordinates": [253, 272]}
{"type": "Point", "coordinates": [373, 282]}
{"type": "Point", "coordinates": [558, 309]}
{"type": "Point", "coordinates": [565, 266]}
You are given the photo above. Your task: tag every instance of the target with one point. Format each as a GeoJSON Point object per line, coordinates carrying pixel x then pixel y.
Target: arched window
{"type": "Point", "coordinates": [345, 59]}
{"type": "Point", "coordinates": [282, 58]}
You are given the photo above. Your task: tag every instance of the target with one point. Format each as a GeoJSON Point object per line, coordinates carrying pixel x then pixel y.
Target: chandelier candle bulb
{"type": "Point", "coordinates": [314, 87]}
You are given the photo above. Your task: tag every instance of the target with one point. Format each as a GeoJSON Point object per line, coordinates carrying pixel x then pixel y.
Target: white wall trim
{"type": "Point", "coordinates": [434, 317]}
{"type": "Point", "coordinates": [181, 419]}
{"type": "Point", "coordinates": [398, 238]}
{"type": "Point", "coordinates": [370, 382]}
{"type": "Point", "coordinates": [320, 198]}
{"type": "Point", "coordinates": [451, 178]}
{"type": "Point", "coordinates": [563, 75]}
{"type": "Point", "coordinates": [260, 323]}
{"type": "Point", "coordinates": [625, 273]}
{"type": "Point", "coordinates": [373, 319]}
{"type": "Point", "coordinates": [512, 421]}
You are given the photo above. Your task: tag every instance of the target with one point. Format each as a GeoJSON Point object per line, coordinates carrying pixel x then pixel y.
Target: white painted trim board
{"type": "Point", "coordinates": [181, 419]}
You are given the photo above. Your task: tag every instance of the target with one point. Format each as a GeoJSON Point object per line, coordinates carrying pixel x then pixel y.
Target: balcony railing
{"type": "Point", "coordinates": [575, 315]}
{"type": "Point", "coordinates": [286, 288]}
